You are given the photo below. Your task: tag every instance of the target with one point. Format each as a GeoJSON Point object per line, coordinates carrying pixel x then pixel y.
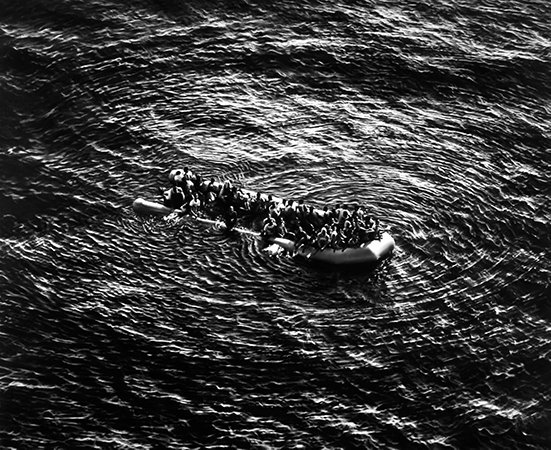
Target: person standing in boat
{"type": "Point", "coordinates": [174, 197]}
{"type": "Point", "coordinates": [230, 218]}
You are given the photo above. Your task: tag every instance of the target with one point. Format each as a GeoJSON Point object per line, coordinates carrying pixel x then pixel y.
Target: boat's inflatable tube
{"type": "Point", "coordinates": [148, 208]}
{"type": "Point", "coordinates": [369, 253]}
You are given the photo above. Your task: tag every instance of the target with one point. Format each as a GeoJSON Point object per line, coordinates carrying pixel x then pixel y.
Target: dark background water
{"type": "Point", "coordinates": [120, 331]}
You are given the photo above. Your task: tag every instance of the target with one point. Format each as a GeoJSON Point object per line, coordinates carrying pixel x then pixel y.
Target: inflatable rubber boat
{"type": "Point", "coordinates": [369, 253]}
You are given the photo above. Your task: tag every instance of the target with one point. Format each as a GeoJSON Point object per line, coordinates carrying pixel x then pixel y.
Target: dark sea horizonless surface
{"type": "Point", "coordinates": [126, 332]}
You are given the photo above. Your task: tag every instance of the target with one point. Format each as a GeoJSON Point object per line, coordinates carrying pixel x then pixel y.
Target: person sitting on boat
{"type": "Point", "coordinates": [184, 176]}
{"type": "Point", "coordinates": [226, 193]}
{"type": "Point", "coordinates": [300, 239]}
{"type": "Point", "coordinates": [211, 191]}
{"type": "Point", "coordinates": [337, 212]}
{"type": "Point", "coordinates": [198, 182]}
{"type": "Point", "coordinates": [194, 204]}
{"type": "Point", "coordinates": [300, 236]}
{"type": "Point", "coordinates": [362, 232]}
{"type": "Point", "coordinates": [269, 228]}
{"type": "Point", "coordinates": [347, 233]}
{"type": "Point", "coordinates": [373, 230]}
{"type": "Point", "coordinates": [266, 204]}
{"type": "Point", "coordinates": [357, 214]}
{"type": "Point", "coordinates": [303, 219]}
{"type": "Point", "coordinates": [256, 204]}
{"type": "Point", "coordinates": [174, 197]}
{"type": "Point", "coordinates": [243, 201]}
{"type": "Point", "coordinates": [323, 239]}
{"type": "Point", "coordinates": [301, 210]}
{"type": "Point", "coordinates": [326, 216]}
{"type": "Point", "coordinates": [314, 218]}
{"type": "Point", "coordinates": [230, 218]}
{"type": "Point", "coordinates": [274, 211]}
{"type": "Point", "coordinates": [336, 238]}
{"type": "Point", "coordinates": [344, 217]}
{"type": "Point", "coordinates": [188, 188]}
{"type": "Point", "coordinates": [288, 213]}
{"type": "Point", "coordinates": [354, 240]}
{"type": "Point", "coordinates": [281, 229]}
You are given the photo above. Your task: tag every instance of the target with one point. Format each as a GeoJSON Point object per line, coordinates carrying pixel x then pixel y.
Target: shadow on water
{"type": "Point", "coordinates": [345, 271]}
{"type": "Point", "coordinates": [347, 285]}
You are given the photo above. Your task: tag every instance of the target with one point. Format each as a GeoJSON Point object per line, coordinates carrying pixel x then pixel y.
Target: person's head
{"type": "Point", "coordinates": [173, 173]}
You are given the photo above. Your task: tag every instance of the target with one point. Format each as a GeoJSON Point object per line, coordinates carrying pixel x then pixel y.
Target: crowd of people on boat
{"type": "Point", "coordinates": [337, 228]}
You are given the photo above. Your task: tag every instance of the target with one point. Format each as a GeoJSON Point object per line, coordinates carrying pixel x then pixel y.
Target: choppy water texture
{"type": "Point", "coordinates": [120, 331]}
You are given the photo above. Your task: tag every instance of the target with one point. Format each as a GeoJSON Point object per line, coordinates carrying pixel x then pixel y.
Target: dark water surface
{"type": "Point", "coordinates": [120, 331]}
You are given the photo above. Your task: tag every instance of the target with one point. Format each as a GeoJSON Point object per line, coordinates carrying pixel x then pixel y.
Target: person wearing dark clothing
{"type": "Point", "coordinates": [174, 197]}
{"type": "Point", "coordinates": [230, 218]}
